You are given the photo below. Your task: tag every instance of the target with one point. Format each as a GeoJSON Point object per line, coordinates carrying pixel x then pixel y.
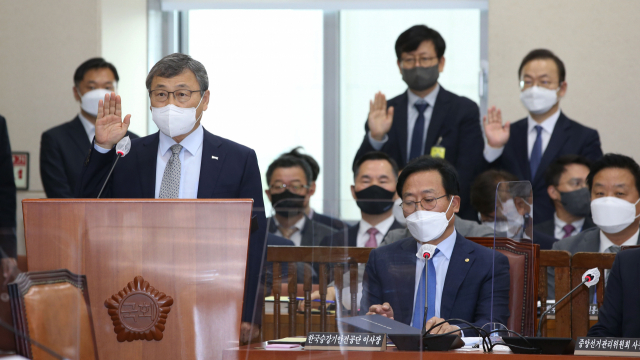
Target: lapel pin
{"type": "Point", "coordinates": [214, 157]}
{"type": "Point", "coordinates": [466, 260]}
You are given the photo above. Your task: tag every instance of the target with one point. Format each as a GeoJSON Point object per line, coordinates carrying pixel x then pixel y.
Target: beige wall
{"type": "Point", "coordinates": [41, 45]}
{"type": "Point", "coordinates": [596, 39]}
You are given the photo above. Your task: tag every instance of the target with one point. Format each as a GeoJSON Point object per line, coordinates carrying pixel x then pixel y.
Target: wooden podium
{"type": "Point", "coordinates": [194, 251]}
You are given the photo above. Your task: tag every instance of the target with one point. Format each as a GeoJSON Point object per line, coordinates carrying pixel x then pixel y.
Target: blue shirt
{"type": "Point", "coordinates": [441, 263]}
{"type": "Point", "coordinates": [190, 160]}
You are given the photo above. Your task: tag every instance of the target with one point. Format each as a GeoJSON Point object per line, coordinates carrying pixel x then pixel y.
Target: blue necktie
{"type": "Point", "coordinates": [418, 310]}
{"type": "Point", "coordinates": [536, 153]}
{"type": "Point", "coordinates": [418, 132]}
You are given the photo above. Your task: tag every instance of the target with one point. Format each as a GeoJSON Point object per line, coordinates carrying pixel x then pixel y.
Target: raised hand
{"type": "Point", "coordinates": [496, 133]}
{"type": "Point", "coordinates": [384, 310]}
{"type": "Point", "coordinates": [380, 118]}
{"type": "Point", "coordinates": [110, 128]}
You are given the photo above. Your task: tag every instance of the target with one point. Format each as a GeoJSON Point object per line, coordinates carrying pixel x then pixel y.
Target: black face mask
{"type": "Point", "coordinates": [367, 196]}
{"type": "Point", "coordinates": [421, 78]}
{"type": "Point", "coordinates": [577, 202]}
{"type": "Point", "coordinates": [288, 204]}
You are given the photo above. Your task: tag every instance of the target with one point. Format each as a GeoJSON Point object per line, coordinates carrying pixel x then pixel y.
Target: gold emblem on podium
{"type": "Point", "coordinates": [139, 311]}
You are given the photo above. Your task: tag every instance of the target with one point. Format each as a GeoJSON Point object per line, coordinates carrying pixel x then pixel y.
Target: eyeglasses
{"type": "Point", "coordinates": [295, 187]}
{"type": "Point", "coordinates": [182, 96]}
{"type": "Point", "coordinates": [410, 63]}
{"type": "Point", "coordinates": [428, 203]}
{"type": "Point", "coordinates": [525, 84]}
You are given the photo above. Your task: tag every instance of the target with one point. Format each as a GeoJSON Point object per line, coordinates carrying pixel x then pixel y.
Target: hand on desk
{"type": "Point", "coordinates": [248, 332]}
{"type": "Point", "coordinates": [110, 128]}
{"type": "Point", "coordinates": [384, 310]}
{"type": "Point", "coordinates": [444, 328]}
{"type": "Point", "coordinates": [9, 270]}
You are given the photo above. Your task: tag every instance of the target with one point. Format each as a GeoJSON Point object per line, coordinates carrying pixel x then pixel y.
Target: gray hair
{"type": "Point", "coordinates": [174, 64]}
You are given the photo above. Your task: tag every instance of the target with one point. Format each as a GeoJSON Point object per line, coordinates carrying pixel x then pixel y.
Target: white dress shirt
{"type": "Point", "coordinates": [491, 154]}
{"type": "Point", "coordinates": [296, 237]}
{"type": "Point", "coordinates": [412, 118]}
{"type": "Point", "coordinates": [382, 227]}
{"type": "Point", "coordinates": [190, 161]}
{"type": "Point", "coordinates": [441, 264]}
{"type": "Point", "coordinates": [560, 224]}
{"type": "Point", "coordinates": [89, 128]}
{"type": "Point", "coordinates": [605, 243]}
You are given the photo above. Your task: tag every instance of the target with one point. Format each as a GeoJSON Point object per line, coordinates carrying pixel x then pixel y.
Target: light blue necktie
{"type": "Point", "coordinates": [418, 310]}
{"type": "Point", "coordinates": [536, 153]}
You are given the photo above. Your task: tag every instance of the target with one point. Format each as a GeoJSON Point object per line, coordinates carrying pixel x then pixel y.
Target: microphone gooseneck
{"type": "Point", "coordinates": [108, 176]}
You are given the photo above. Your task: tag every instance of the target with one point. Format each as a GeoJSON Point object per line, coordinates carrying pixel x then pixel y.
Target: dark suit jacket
{"type": "Point", "coordinates": [545, 241]}
{"type": "Point", "coordinates": [63, 149]}
{"type": "Point", "coordinates": [8, 243]}
{"type": "Point", "coordinates": [618, 316]}
{"type": "Point", "coordinates": [312, 233]}
{"type": "Point", "coordinates": [549, 227]}
{"type": "Point", "coordinates": [391, 271]}
{"type": "Point", "coordinates": [350, 237]}
{"type": "Point", "coordinates": [234, 175]}
{"type": "Point", "coordinates": [329, 221]}
{"type": "Point", "coordinates": [568, 137]}
{"type": "Point", "coordinates": [274, 240]}
{"type": "Point", "coordinates": [457, 120]}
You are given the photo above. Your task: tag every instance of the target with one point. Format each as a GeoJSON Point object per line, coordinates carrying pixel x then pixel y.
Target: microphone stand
{"type": "Point", "coordinates": [110, 171]}
{"type": "Point", "coordinates": [539, 334]}
{"type": "Point", "coordinates": [426, 298]}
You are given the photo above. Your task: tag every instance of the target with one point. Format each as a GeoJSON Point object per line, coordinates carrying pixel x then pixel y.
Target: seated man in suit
{"type": "Point", "coordinates": [8, 241]}
{"type": "Point", "coordinates": [531, 144]}
{"type": "Point", "coordinates": [64, 147]}
{"type": "Point", "coordinates": [614, 183]}
{"type": "Point", "coordinates": [315, 171]}
{"type": "Point", "coordinates": [567, 187]}
{"type": "Point", "coordinates": [463, 275]}
{"type": "Point", "coordinates": [619, 314]}
{"type": "Point", "coordinates": [426, 119]}
{"type": "Point", "coordinates": [375, 176]}
{"type": "Point", "coordinates": [182, 160]}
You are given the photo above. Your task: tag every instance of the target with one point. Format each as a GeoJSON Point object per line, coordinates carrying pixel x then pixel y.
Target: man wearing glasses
{"type": "Point", "coordinates": [426, 119]}
{"type": "Point", "coordinates": [289, 190]}
{"type": "Point", "coordinates": [528, 146]}
{"type": "Point", "coordinates": [181, 161]}
{"type": "Point", "coordinates": [463, 280]}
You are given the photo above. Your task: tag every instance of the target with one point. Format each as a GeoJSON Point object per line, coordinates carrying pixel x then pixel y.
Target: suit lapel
{"type": "Point", "coordinates": [400, 118]}
{"type": "Point", "coordinates": [560, 135]}
{"type": "Point", "coordinates": [353, 235]}
{"type": "Point", "coordinates": [147, 158]}
{"type": "Point", "coordinates": [213, 157]}
{"type": "Point", "coordinates": [456, 273]}
{"type": "Point", "coordinates": [79, 135]}
{"type": "Point", "coordinates": [438, 117]}
{"type": "Point", "coordinates": [592, 241]}
{"type": "Point", "coordinates": [307, 233]}
{"type": "Point", "coordinates": [521, 149]}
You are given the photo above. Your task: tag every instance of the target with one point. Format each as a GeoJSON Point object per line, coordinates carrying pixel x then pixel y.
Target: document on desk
{"type": "Point", "coordinates": [380, 324]}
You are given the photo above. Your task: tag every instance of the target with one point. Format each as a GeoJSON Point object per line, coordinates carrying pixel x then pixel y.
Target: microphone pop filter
{"type": "Point", "coordinates": [123, 146]}
{"type": "Point", "coordinates": [592, 276]}
{"type": "Point", "coordinates": [426, 251]}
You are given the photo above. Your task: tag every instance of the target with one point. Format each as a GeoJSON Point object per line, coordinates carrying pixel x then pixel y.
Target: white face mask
{"type": "Point", "coordinates": [514, 221]}
{"type": "Point", "coordinates": [612, 214]}
{"type": "Point", "coordinates": [539, 100]}
{"type": "Point", "coordinates": [173, 120]}
{"type": "Point", "coordinates": [428, 225]}
{"type": "Point", "coordinates": [89, 101]}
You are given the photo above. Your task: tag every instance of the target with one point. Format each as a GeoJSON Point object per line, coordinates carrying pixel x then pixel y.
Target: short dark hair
{"type": "Point", "coordinates": [288, 161]}
{"type": "Point", "coordinates": [427, 163]}
{"type": "Point", "coordinates": [374, 155]}
{"type": "Point", "coordinates": [174, 64]}
{"type": "Point", "coordinates": [483, 190]}
{"type": "Point", "coordinates": [559, 166]}
{"type": "Point", "coordinates": [614, 161]}
{"type": "Point", "coordinates": [93, 63]}
{"type": "Point", "coordinates": [315, 168]}
{"type": "Point", "coordinates": [411, 39]}
{"type": "Point", "coordinates": [544, 54]}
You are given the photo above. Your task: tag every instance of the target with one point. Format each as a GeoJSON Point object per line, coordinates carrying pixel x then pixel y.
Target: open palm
{"type": "Point", "coordinates": [380, 118]}
{"type": "Point", "coordinates": [496, 133]}
{"type": "Point", "coordinates": [110, 128]}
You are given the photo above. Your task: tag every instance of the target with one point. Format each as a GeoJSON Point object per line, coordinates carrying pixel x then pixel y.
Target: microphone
{"type": "Point", "coordinates": [589, 278]}
{"type": "Point", "coordinates": [426, 252]}
{"type": "Point", "coordinates": [122, 149]}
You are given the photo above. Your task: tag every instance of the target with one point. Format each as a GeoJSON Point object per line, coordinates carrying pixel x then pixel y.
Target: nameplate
{"type": "Point", "coordinates": [350, 341]}
{"type": "Point", "coordinates": [607, 346]}
{"type": "Point", "coordinates": [593, 310]}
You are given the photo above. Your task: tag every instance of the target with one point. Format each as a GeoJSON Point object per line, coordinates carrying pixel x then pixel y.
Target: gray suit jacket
{"type": "Point", "coordinates": [466, 228]}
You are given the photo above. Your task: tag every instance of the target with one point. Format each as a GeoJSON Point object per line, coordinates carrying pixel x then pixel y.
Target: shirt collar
{"type": "Point", "coordinates": [298, 225]}
{"type": "Point", "coordinates": [382, 227]}
{"type": "Point", "coordinates": [578, 224]}
{"type": "Point", "coordinates": [547, 125]}
{"type": "Point", "coordinates": [430, 99]}
{"type": "Point", "coordinates": [191, 143]}
{"type": "Point", "coordinates": [605, 242]}
{"type": "Point", "coordinates": [88, 126]}
{"type": "Point", "coordinates": [446, 246]}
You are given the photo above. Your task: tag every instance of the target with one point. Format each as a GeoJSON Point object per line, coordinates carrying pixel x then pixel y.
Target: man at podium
{"type": "Point", "coordinates": [181, 161]}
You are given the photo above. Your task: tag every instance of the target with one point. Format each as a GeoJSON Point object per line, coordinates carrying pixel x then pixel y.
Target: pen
{"type": "Point", "coordinates": [317, 300]}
